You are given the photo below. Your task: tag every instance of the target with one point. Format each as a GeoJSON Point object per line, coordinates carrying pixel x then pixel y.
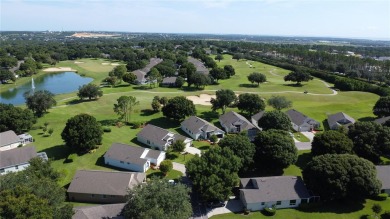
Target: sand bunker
{"type": "Point", "coordinates": [78, 62]}
{"type": "Point", "coordinates": [105, 63]}
{"type": "Point", "coordinates": [59, 69]}
{"type": "Point", "coordinates": [115, 64]}
{"type": "Point", "coordinates": [202, 99]}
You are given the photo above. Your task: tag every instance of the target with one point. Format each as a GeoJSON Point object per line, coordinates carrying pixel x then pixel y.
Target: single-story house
{"type": "Point", "coordinates": [159, 138]}
{"type": "Point", "coordinates": [339, 119]}
{"type": "Point", "coordinates": [17, 159]}
{"type": "Point", "coordinates": [233, 122]}
{"type": "Point", "coordinates": [279, 191]}
{"type": "Point", "coordinates": [302, 123]}
{"type": "Point", "coordinates": [255, 118]}
{"type": "Point", "coordinates": [9, 140]}
{"type": "Point", "coordinates": [383, 174]}
{"type": "Point", "coordinates": [141, 73]}
{"type": "Point", "coordinates": [103, 186]}
{"type": "Point", "coordinates": [169, 82]}
{"type": "Point", "coordinates": [132, 158]}
{"type": "Point", "coordinates": [199, 128]}
{"type": "Point", "coordinates": [112, 211]}
{"type": "Point", "coordinates": [200, 68]}
{"type": "Point", "coordinates": [382, 120]}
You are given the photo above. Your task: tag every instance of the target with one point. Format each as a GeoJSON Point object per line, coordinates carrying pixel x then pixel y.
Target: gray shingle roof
{"type": "Point", "coordinates": [140, 75]}
{"type": "Point", "coordinates": [158, 135]}
{"type": "Point", "coordinates": [383, 174]}
{"type": "Point", "coordinates": [169, 80]}
{"type": "Point", "coordinates": [8, 137]}
{"type": "Point", "coordinates": [126, 153]}
{"type": "Point", "coordinates": [233, 118]}
{"type": "Point", "coordinates": [298, 118]}
{"type": "Point", "coordinates": [195, 124]}
{"type": "Point", "coordinates": [258, 115]}
{"type": "Point", "coordinates": [340, 119]}
{"type": "Point", "coordinates": [382, 120]}
{"type": "Point", "coordinates": [199, 65]}
{"type": "Point", "coordinates": [104, 182]}
{"type": "Point", "coordinates": [99, 211]}
{"type": "Point", "coordinates": [16, 156]}
{"type": "Point", "coordinates": [275, 188]}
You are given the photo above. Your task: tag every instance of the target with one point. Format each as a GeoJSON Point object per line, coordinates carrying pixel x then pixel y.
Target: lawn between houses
{"type": "Point", "coordinates": [356, 104]}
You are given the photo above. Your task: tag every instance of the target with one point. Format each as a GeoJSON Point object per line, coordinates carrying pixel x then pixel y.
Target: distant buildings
{"type": "Point", "coordinates": [340, 119]}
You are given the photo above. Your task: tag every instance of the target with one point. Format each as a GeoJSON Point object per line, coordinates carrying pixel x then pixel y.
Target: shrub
{"type": "Point", "coordinates": [246, 211]}
{"type": "Point", "coordinates": [386, 215]}
{"type": "Point", "coordinates": [137, 125]}
{"type": "Point", "coordinates": [106, 129]}
{"type": "Point", "coordinates": [381, 197]}
{"type": "Point", "coordinates": [269, 211]}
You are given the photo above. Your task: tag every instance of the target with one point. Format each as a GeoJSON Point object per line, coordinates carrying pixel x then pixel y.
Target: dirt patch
{"type": "Point", "coordinates": [202, 99]}
{"type": "Point", "coordinates": [59, 69]}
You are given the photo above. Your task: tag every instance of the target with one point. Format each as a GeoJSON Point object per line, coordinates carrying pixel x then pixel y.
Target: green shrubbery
{"type": "Point", "coordinates": [269, 211]}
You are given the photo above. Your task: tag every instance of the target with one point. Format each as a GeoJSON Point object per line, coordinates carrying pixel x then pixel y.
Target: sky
{"type": "Point", "coordinates": [366, 19]}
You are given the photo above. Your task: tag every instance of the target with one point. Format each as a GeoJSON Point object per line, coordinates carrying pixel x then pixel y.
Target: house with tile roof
{"type": "Point", "coordinates": [255, 118]}
{"type": "Point", "coordinates": [103, 186]}
{"type": "Point", "coordinates": [383, 174]}
{"type": "Point", "coordinates": [199, 128]}
{"type": "Point", "coordinates": [382, 120]}
{"type": "Point", "coordinates": [340, 119]}
{"type": "Point", "coordinates": [279, 191]}
{"type": "Point", "coordinates": [133, 158]}
{"type": "Point", "coordinates": [141, 73]}
{"type": "Point", "coordinates": [159, 138]}
{"type": "Point", "coordinates": [112, 211]}
{"type": "Point", "coordinates": [9, 140]}
{"type": "Point", "coordinates": [301, 122]}
{"type": "Point", "coordinates": [200, 67]}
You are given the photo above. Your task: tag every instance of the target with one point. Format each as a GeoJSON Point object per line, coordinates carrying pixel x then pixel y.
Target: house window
{"type": "Point", "coordinates": [112, 196]}
{"type": "Point", "coordinates": [293, 202]}
{"type": "Point", "coordinates": [278, 202]}
{"type": "Point", "coordinates": [16, 167]}
{"type": "Point", "coordinates": [148, 141]}
{"type": "Point", "coordinates": [104, 196]}
{"type": "Point", "coordinates": [92, 195]}
{"type": "Point", "coordinates": [262, 203]}
{"type": "Point", "coordinates": [304, 201]}
{"type": "Point", "coordinates": [1, 170]}
{"type": "Point", "coordinates": [121, 162]}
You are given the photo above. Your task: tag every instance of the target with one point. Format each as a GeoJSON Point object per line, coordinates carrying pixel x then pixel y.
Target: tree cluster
{"type": "Point", "coordinates": [224, 98]}
{"type": "Point", "coordinates": [178, 108]}
{"type": "Point", "coordinates": [40, 101]}
{"type": "Point", "coordinates": [15, 118]}
{"type": "Point", "coordinates": [90, 91]}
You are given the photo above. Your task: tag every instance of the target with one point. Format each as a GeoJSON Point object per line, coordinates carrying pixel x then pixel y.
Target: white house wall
{"type": "Point", "coordinates": [150, 144]}
{"type": "Point", "coordinates": [195, 136]}
{"type": "Point", "coordinates": [14, 168]}
{"type": "Point", "coordinates": [284, 204]}
{"type": "Point", "coordinates": [125, 165]}
{"type": "Point", "coordinates": [158, 160]}
{"type": "Point", "coordinates": [10, 146]}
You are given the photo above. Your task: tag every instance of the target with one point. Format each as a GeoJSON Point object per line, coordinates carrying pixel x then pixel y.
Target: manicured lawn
{"type": "Point", "coordinates": [300, 137]}
{"type": "Point", "coordinates": [337, 210]}
{"type": "Point", "coordinates": [173, 174]}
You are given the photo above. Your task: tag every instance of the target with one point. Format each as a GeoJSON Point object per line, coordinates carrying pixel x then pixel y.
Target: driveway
{"type": "Point", "coordinates": [233, 205]}
{"type": "Point", "coordinates": [309, 135]}
{"type": "Point", "coordinates": [179, 167]}
{"type": "Point", "coordinates": [303, 146]}
{"type": "Point", "coordinates": [192, 150]}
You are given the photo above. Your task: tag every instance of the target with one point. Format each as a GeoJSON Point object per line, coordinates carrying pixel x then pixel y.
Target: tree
{"type": "Point", "coordinates": [50, 131]}
{"type": "Point", "coordinates": [119, 71]}
{"type": "Point", "coordinates": [279, 102]}
{"type": "Point", "coordinates": [166, 166]}
{"type": "Point", "coordinates": [112, 80]}
{"type": "Point", "coordinates": [90, 91]}
{"type": "Point", "coordinates": [6, 75]}
{"type": "Point", "coordinates": [241, 147]}
{"type": "Point", "coordinates": [382, 107]}
{"type": "Point", "coordinates": [15, 118]}
{"type": "Point", "coordinates": [298, 76]}
{"type": "Point", "coordinates": [214, 174]}
{"type": "Point", "coordinates": [331, 142]}
{"type": "Point", "coordinates": [219, 57]}
{"type": "Point", "coordinates": [178, 145]}
{"type": "Point", "coordinates": [229, 70]}
{"type": "Point", "coordinates": [238, 56]}
{"type": "Point", "coordinates": [199, 80]}
{"type": "Point", "coordinates": [33, 193]}
{"type": "Point", "coordinates": [154, 76]}
{"type": "Point", "coordinates": [213, 139]}
{"type": "Point", "coordinates": [370, 140]}
{"type": "Point", "coordinates": [275, 148]}
{"type": "Point", "coordinates": [179, 82]}
{"type": "Point", "coordinates": [275, 120]}
{"type": "Point", "coordinates": [82, 133]}
{"type": "Point", "coordinates": [40, 101]}
{"type": "Point", "coordinates": [224, 98]}
{"type": "Point", "coordinates": [156, 106]}
{"type": "Point", "coordinates": [158, 199]}
{"type": "Point", "coordinates": [339, 176]}
{"type": "Point", "coordinates": [377, 209]}
{"type": "Point", "coordinates": [178, 108]}
{"type": "Point", "coordinates": [125, 107]}
{"type": "Point", "coordinates": [250, 103]}
{"type": "Point", "coordinates": [163, 100]}
{"type": "Point", "coordinates": [218, 73]}
{"type": "Point", "coordinates": [129, 78]}
{"type": "Point", "coordinates": [257, 77]}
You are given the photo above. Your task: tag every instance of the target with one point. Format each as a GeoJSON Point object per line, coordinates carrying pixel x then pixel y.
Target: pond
{"type": "Point", "coordinates": [57, 83]}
